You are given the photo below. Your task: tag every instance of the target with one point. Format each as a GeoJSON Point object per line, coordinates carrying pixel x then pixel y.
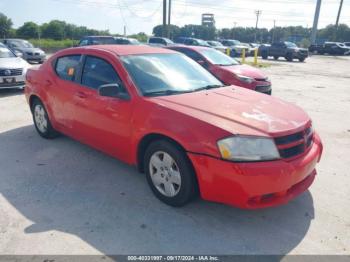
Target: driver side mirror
{"type": "Point", "coordinates": [113, 90]}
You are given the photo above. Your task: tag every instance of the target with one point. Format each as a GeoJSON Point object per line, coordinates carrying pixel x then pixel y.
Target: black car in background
{"type": "Point", "coordinates": [160, 41]}
{"type": "Point", "coordinates": [191, 41]}
{"type": "Point", "coordinates": [288, 50]}
{"type": "Point", "coordinates": [330, 48]}
{"type": "Point", "coordinates": [107, 40]}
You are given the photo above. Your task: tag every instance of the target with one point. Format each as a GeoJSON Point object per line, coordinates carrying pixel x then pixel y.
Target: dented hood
{"type": "Point", "coordinates": [240, 111]}
{"type": "Point", "coordinates": [245, 70]}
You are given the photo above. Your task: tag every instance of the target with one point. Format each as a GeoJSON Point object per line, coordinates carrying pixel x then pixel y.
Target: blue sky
{"type": "Point", "coordinates": [143, 15]}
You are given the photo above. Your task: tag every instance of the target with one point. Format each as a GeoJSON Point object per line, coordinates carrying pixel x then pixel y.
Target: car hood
{"type": "Point", "coordinates": [29, 49]}
{"type": "Point", "coordinates": [245, 70]}
{"type": "Point", "coordinates": [13, 62]}
{"type": "Point", "coordinates": [239, 111]}
{"type": "Point", "coordinates": [297, 49]}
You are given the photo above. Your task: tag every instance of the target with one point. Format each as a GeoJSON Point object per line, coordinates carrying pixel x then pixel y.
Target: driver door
{"type": "Point", "coordinates": [102, 122]}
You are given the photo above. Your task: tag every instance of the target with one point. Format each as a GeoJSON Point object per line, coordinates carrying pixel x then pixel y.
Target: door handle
{"type": "Point", "coordinates": [81, 95]}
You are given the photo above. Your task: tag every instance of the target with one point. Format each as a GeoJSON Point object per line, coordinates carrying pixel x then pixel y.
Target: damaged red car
{"type": "Point", "coordinates": [227, 69]}
{"type": "Point", "coordinates": [162, 112]}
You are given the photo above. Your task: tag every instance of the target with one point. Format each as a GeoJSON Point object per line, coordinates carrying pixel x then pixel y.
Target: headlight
{"type": "Point", "coordinates": [248, 148]}
{"type": "Point", "coordinates": [245, 79]}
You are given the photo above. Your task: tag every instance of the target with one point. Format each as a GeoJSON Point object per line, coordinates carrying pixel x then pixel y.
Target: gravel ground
{"type": "Point", "coordinates": [62, 197]}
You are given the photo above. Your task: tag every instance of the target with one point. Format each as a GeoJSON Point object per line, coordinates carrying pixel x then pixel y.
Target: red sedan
{"type": "Point", "coordinates": [159, 110]}
{"type": "Point", "coordinates": [227, 69]}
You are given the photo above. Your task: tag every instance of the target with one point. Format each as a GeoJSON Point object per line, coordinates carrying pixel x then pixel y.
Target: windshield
{"type": "Point", "coordinates": [232, 42]}
{"type": "Point", "coordinates": [202, 42]}
{"type": "Point", "coordinates": [165, 74]}
{"type": "Point", "coordinates": [214, 43]}
{"type": "Point", "coordinates": [134, 41]}
{"type": "Point", "coordinates": [5, 53]}
{"type": "Point", "coordinates": [23, 44]}
{"type": "Point", "coordinates": [218, 58]}
{"type": "Point", "coordinates": [290, 44]}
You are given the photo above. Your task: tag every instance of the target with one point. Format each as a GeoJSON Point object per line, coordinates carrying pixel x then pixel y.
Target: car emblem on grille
{"type": "Point", "coordinates": [7, 72]}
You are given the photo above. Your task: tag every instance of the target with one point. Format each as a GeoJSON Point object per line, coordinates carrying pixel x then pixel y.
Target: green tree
{"type": "Point", "coordinates": [54, 30]}
{"type": "Point", "coordinates": [5, 25]}
{"type": "Point", "coordinates": [28, 30]}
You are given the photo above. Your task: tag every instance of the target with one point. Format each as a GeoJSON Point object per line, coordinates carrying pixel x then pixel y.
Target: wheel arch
{"type": "Point", "coordinates": [146, 141]}
{"type": "Point", "coordinates": [32, 98]}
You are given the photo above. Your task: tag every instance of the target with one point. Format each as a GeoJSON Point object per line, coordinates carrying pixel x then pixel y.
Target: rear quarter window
{"type": "Point", "coordinates": [66, 67]}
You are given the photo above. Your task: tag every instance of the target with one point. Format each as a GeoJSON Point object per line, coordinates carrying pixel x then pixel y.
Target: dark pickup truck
{"type": "Point", "coordinates": [330, 48]}
{"type": "Point", "coordinates": [288, 50]}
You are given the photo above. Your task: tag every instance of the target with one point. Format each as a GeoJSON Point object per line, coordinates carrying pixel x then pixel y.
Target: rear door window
{"type": "Point", "coordinates": [67, 66]}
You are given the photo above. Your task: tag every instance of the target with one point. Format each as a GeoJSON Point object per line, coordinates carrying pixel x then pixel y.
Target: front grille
{"type": "Point", "coordinates": [36, 54]}
{"type": "Point", "coordinates": [13, 72]}
{"type": "Point", "coordinates": [295, 144]}
{"type": "Point", "coordinates": [261, 79]}
{"type": "Point", "coordinates": [12, 84]}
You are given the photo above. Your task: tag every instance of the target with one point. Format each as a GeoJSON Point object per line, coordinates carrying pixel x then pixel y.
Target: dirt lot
{"type": "Point", "coordinates": [62, 197]}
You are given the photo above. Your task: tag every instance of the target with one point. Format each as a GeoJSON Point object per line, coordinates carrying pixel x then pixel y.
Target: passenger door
{"type": "Point", "coordinates": [102, 122]}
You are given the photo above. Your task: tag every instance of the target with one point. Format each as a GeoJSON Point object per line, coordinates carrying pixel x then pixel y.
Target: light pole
{"type": "Point", "coordinates": [314, 28]}
{"type": "Point", "coordinates": [258, 13]}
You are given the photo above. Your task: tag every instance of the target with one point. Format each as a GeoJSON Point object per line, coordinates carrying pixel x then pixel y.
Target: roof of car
{"type": "Point", "coordinates": [122, 50]}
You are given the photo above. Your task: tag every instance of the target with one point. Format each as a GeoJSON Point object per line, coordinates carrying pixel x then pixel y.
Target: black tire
{"type": "Point", "coordinates": [264, 55]}
{"type": "Point", "coordinates": [276, 57]}
{"type": "Point", "coordinates": [188, 189]}
{"type": "Point", "coordinates": [289, 57]}
{"type": "Point", "coordinates": [302, 59]}
{"type": "Point", "coordinates": [49, 132]}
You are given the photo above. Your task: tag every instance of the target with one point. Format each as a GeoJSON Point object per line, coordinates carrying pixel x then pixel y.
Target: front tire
{"type": "Point", "coordinates": [264, 55]}
{"type": "Point", "coordinates": [41, 120]}
{"type": "Point", "coordinates": [170, 173]}
{"type": "Point", "coordinates": [289, 57]}
{"type": "Point", "coordinates": [301, 59]}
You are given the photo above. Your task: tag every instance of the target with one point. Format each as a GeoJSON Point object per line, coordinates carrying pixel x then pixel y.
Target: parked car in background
{"type": "Point", "coordinates": [107, 40]}
{"type": "Point", "coordinates": [288, 50]}
{"type": "Point", "coordinates": [330, 48]}
{"type": "Point", "coordinates": [227, 69]}
{"type": "Point", "coordinates": [97, 40]}
{"type": "Point", "coordinates": [192, 41]}
{"type": "Point", "coordinates": [159, 110]}
{"type": "Point", "coordinates": [218, 46]}
{"type": "Point", "coordinates": [159, 41]}
{"type": "Point", "coordinates": [29, 52]}
{"type": "Point", "coordinates": [126, 41]}
{"type": "Point", "coordinates": [12, 69]}
{"type": "Point", "coordinates": [235, 46]}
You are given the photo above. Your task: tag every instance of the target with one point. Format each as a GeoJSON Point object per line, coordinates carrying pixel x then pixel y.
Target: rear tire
{"type": "Point", "coordinates": [169, 173]}
{"type": "Point", "coordinates": [276, 57]}
{"type": "Point", "coordinates": [41, 121]}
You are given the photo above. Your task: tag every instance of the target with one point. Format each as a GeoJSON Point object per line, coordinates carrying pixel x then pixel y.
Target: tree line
{"type": "Point", "coordinates": [297, 34]}
{"type": "Point", "coordinates": [60, 30]}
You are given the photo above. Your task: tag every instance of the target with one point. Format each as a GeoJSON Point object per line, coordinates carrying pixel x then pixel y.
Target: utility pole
{"type": "Point", "coordinates": [258, 13]}
{"type": "Point", "coordinates": [337, 22]}
{"type": "Point", "coordinates": [273, 32]}
{"type": "Point", "coordinates": [124, 31]}
{"type": "Point", "coordinates": [314, 28]}
{"type": "Point", "coordinates": [164, 19]}
{"type": "Point", "coordinates": [169, 18]}
{"type": "Point", "coordinates": [233, 31]}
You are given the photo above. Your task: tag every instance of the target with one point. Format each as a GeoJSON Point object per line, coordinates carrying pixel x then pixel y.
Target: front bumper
{"type": "Point", "coordinates": [12, 82]}
{"type": "Point", "coordinates": [257, 184]}
{"type": "Point", "coordinates": [33, 57]}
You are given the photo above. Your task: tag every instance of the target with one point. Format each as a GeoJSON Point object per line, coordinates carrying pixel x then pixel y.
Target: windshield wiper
{"type": "Point", "coordinates": [166, 92]}
{"type": "Point", "coordinates": [209, 87]}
